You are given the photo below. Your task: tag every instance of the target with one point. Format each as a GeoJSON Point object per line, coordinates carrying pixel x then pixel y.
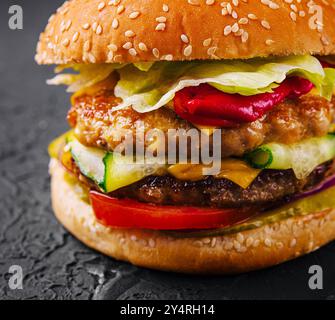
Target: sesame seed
{"type": "Point", "coordinates": [120, 9]}
{"type": "Point", "coordinates": [279, 245]}
{"type": "Point", "coordinates": [206, 240]}
{"type": "Point", "coordinates": [268, 242]}
{"type": "Point", "coordinates": [134, 15]}
{"type": "Point", "coordinates": [117, 58]}
{"type": "Point", "coordinates": [161, 19]}
{"type": "Point", "coordinates": [227, 30]}
{"type": "Point", "coordinates": [110, 56]}
{"type": "Point", "coordinates": [265, 24]}
{"type": "Point", "coordinates": [142, 46]}
{"type": "Point", "coordinates": [240, 237]}
{"type": "Point", "coordinates": [167, 57]}
{"type": "Point", "coordinates": [184, 38]}
{"type": "Point", "coordinates": [252, 16]}
{"type": "Point", "coordinates": [256, 243]}
{"type": "Point", "coordinates": [101, 6]}
{"type": "Point", "coordinates": [66, 42]}
{"type": "Point", "coordinates": [293, 16]}
{"type": "Point", "coordinates": [75, 37]}
{"type": "Point", "coordinates": [228, 246]}
{"type": "Point", "coordinates": [127, 45]}
{"type": "Point", "coordinates": [194, 2]}
{"type": "Point", "coordinates": [114, 2]}
{"type": "Point", "coordinates": [224, 11]}
{"type": "Point", "coordinates": [129, 33]}
{"type": "Point", "coordinates": [243, 21]}
{"type": "Point", "coordinates": [68, 25]}
{"type": "Point", "coordinates": [95, 26]}
{"type": "Point", "coordinates": [207, 42]}
{"type": "Point", "coordinates": [211, 51]}
{"type": "Point", "coordinates": [92, 58]}
{"type": "Point", "coordinates": [160, 27]}
{"type": "Point", "coordinates": [87, 46]}
{"type": "Point", "coordinates": [99, 30]}
{"type": "Point", "coordinates": [165, 8]}
{"type": "Point", "coordinates": [115, 23]}
{"type": "Point", "coordinates": [86, 26]}
{"type": "Point", "coordinates": [213, 242]}
{"type": "Point", "coordinates": [237, 245]}
{"type": "Point", "coordinates": [249, 241]}
{"type": "Point", "coordinates": [152, 243]}
{"type": "Point", "coordinates": [132, 52]}
{"type": "Point", "coordinates": [112, 47]}
{"type": "Point", "coordinates": [155, 52]}
{"type": "Point", "coordinates": [293, 242]}
{"type": "Point", "coordinates": [269, 42]}
{"type": "Point", "coordinates": [235, 27]}
{"type": "Point", "coordinates": [188, 51]}
{"type": "Point", "coordinates": [210, 2]}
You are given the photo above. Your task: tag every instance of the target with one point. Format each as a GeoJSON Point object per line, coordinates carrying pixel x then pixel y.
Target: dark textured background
{"type": "Point", "coordinates": [55, 265]}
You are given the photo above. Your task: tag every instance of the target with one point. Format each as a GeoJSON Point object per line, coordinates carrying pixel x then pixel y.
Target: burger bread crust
{"type": "Point", "coordinates": [245, 251]}
{"type": "Point", "coordinates": [127, 31]}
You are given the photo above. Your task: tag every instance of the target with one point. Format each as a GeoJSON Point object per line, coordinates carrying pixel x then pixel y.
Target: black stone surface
{"type": "Point", "coordinates": [55, 265]}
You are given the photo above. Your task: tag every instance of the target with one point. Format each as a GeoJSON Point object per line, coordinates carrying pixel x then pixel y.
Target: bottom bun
{"type": "Point", "coordinates": [245, 251]}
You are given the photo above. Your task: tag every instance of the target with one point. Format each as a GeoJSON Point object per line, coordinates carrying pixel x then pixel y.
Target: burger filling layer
{"type": "Point", "coordinates": [274, 118]}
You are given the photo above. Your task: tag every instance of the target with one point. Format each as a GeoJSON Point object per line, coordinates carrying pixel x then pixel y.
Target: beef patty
{"type": "Point", "coordinates": [98, 125]}
{"type": "Point", "coordinates": [269, 187]}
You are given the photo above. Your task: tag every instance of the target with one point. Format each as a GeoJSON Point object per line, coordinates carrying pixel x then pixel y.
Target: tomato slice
{"type": "Point", "coordinates": [125, 213]}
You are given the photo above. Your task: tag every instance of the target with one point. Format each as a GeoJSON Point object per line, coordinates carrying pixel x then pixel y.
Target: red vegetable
{"type": "Point", "coordinates": [324, 185]}
{"type": "Point", "coordinates": [125, 213]}
{"type": "Point", "coordinates": [326, 64]}
{"type": "Point", "coordinates": [206, 105]}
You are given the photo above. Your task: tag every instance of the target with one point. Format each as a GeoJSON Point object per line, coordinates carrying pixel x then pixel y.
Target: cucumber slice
{"type": "Point", "coordinates": [302, 157]}
{"type": "Point", "coordinates": [89, 160]}
{"type": "Point", "coordinates": [110, 171]}
{"type": "Point", "coordinates": [120, 171]}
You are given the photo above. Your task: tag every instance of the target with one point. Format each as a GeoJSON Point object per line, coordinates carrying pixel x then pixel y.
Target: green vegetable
{"type": "Point", "coordinates": [110, 171]}
{"type": "Point", "coordinates": [302, 157]}
{"type": "Point", "coordinates": [147, 91]}
{"type": "Point", "coordinates": [316, 203]}
{"type": "Point", "coordinates": [89, 160]}
{"type": "Point", "coordinates": [148, 86]}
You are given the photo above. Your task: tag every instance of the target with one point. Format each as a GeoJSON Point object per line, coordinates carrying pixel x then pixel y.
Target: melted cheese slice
{"type": "Point", "coordinates": [234, 170]}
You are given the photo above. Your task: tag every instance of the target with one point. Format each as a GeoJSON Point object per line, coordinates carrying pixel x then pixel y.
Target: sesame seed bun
{"type": "Point", "coordinates": [245, 251]}
{"type": "Point", "coordinates": [126, 31]}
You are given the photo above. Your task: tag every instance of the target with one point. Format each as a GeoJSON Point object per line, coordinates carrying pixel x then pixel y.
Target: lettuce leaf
{"type": "Point", "coordinates": [148, 86]}
{"type": "Point", "coordinates": [87, 76]}
{"type": "Point", "coordinates": [148, 91]}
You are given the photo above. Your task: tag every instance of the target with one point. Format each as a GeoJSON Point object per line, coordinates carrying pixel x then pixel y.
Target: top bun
{"type": "Point", "coordinates": [127, 31]}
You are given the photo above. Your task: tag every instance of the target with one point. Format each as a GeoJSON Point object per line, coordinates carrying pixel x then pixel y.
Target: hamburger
{"type": "Point", "coordinates": [202, 137]}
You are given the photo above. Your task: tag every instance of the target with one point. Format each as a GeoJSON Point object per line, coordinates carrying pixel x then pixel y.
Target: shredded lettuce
{"type": "Point", "coordinates": [148, 86]}
{"type": "Point", "coordinates": [87, 76]}
{"type": "Point", "coordinates": [148, 91]}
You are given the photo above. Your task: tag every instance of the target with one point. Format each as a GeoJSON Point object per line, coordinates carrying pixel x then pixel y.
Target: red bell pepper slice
{"type": "Point", "coordinates": [206, 105]}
